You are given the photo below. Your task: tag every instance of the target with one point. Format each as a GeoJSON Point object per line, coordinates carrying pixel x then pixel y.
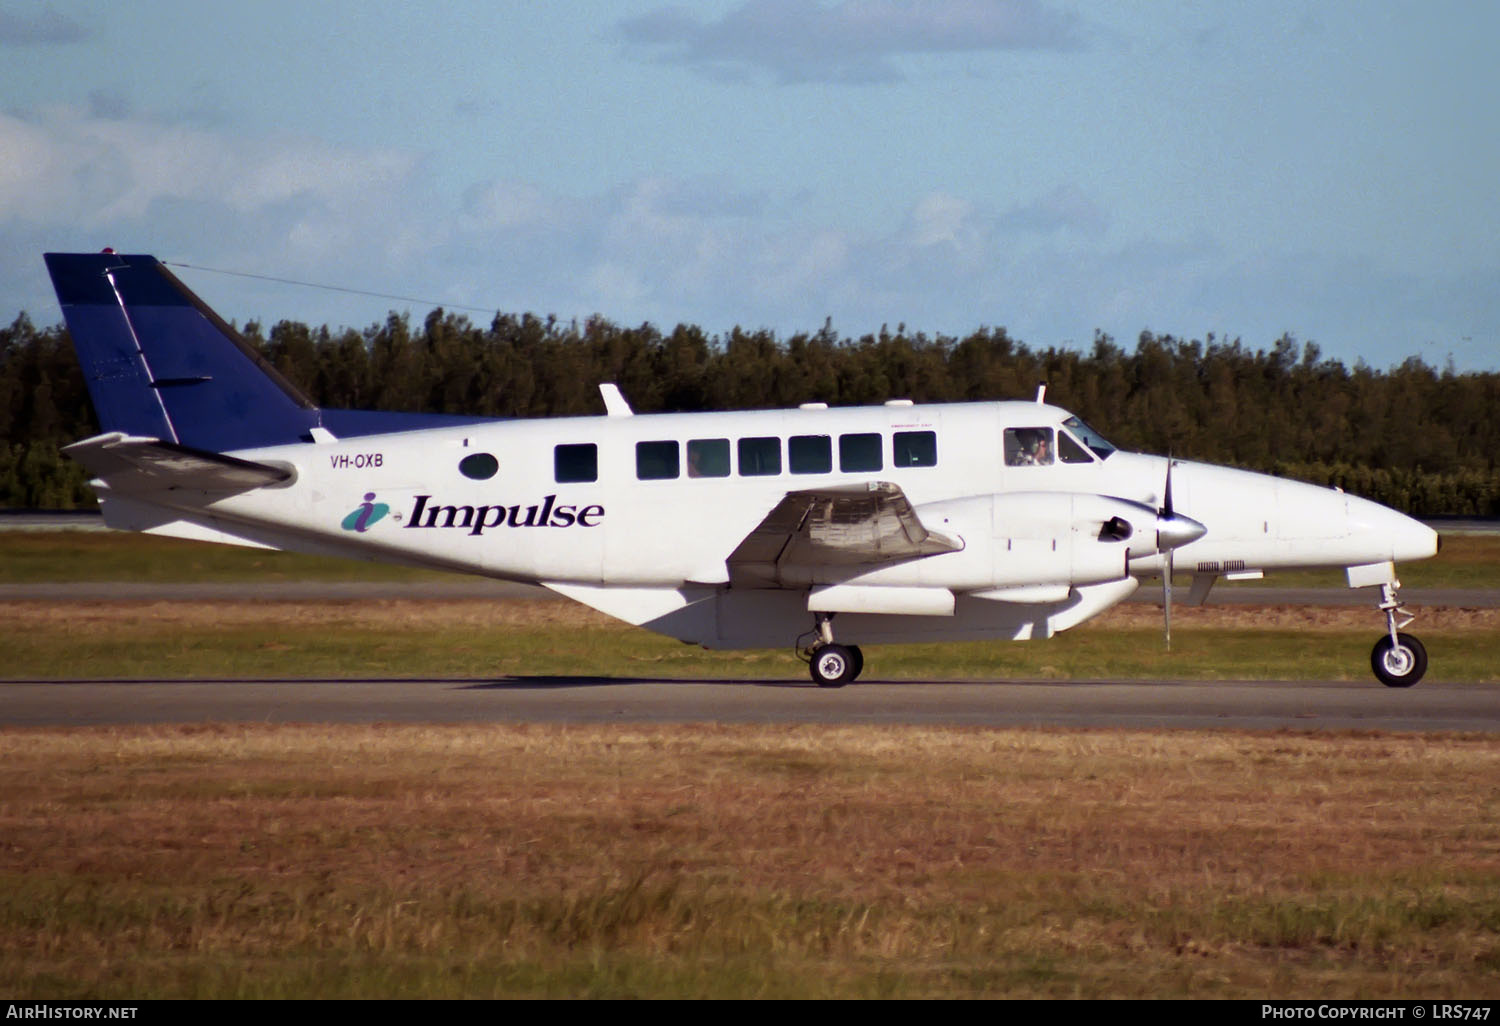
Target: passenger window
{"type": "Point", "coordinates": [1028, 447]}
{"type": "Point", "coordinates": [572, 463]}
{"type": "Point", "coordinates": [657, 461]}
{"type": "Point", "coordinates": [810, 454]}
{"type": "Point", "coordinates": [858, 453]}
{"type": "Point", "coordinates": [1070, 451]}
{"type": "Point", "coordinates": [708, 457]}
{"type": "Point", "coordinates": [914, 449]}
{"type": "Point", "coordinates": [760, 457]}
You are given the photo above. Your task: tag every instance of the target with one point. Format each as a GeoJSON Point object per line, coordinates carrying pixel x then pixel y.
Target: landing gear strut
{"type": "Point", "coordinates": [1399, 660]}
{"type": "Point", "coordinates": [832, 665]}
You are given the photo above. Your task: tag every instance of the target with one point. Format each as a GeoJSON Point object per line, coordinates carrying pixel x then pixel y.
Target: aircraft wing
{"type": "Point", "coordinates": [131, 464]}
{"type": "Point", "coordinates": [853, 525]}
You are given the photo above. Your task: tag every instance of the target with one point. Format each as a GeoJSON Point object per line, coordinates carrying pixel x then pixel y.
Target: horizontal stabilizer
{"type": "Point", "coordinates": [131, 464]}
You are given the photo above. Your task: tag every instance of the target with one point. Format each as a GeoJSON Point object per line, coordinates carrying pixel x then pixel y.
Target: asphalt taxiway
{"type": "Point", "coordinates": [1258, 705]}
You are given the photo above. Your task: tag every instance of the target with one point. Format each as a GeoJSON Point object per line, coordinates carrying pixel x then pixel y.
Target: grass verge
{"type": "Point", "coordinates": [530, 861]}
{"type": "Point", "coordinates": [394, 638]}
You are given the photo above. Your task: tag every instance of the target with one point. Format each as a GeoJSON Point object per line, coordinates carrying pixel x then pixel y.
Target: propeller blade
{"type": "Point", "coordinates": [1166, 600]}
{"type": "Point", "coordinates": [1170, 532]}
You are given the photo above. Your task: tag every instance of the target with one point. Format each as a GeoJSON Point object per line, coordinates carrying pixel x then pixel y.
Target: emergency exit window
{"type": "Point", "coordinates": [914, 449]}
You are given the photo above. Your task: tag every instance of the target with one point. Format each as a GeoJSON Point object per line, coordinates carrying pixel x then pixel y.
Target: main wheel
{"type": "Point", "coordinates": [859, 662]}
{"type": "Point", "coordinates": [1398, 665]}
{"type": "Point", "coordinates": [833, 666]}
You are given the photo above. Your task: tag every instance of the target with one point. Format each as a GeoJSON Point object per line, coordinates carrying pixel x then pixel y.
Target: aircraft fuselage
{"type": "Point", "coordinates": [640, 515]}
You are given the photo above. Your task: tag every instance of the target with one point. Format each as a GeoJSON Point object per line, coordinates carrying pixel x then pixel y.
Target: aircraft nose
{"type": "Point", "coordinates": [1407, 538]}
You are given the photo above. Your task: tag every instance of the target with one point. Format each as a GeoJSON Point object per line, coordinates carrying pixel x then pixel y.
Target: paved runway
{"type": "Point", "coordinates": [1147, 705]}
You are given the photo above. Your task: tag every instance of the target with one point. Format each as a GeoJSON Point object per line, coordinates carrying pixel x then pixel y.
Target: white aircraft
{"type": "Point", "coordinates": [824, 528]}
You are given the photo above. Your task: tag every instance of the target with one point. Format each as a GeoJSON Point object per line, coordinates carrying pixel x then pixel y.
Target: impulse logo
{"type": "Point", "coordinates": [476, 519]}
{"type": "Point", "coordinates": [367, 513]}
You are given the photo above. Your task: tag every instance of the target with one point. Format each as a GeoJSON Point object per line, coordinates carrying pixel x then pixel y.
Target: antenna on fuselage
{"type": "Point", "coordinates": [614, 402]}
{"type": "Point", "coordinates": [1041, 391]}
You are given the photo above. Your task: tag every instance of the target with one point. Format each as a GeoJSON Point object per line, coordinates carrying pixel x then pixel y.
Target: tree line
{"type": "Point", "coordinates": [1422, 440]}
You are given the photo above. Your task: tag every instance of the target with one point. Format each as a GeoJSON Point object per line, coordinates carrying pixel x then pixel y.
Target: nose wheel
{"type": "Point", "coordinates": [1399, 660]}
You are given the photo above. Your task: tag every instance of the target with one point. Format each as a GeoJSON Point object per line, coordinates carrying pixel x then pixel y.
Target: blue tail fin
{"type": "Point", "coordinates": [161, 364]}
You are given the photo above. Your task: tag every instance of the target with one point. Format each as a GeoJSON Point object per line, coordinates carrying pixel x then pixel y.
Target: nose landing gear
{"type": "Point", "coordinates": [1399, 660]}
{"type": "Point", "coordinates": [832, 665]}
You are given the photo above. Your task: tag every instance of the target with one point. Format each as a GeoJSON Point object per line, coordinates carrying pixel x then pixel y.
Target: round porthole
{"type": "Point", "coordinates": [480, 466]}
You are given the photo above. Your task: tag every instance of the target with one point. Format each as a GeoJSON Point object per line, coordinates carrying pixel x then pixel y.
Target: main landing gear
{"type": "Point", "coordinates": [1399, 660]}
{"type": "Point", "coordinates": [832, 665]}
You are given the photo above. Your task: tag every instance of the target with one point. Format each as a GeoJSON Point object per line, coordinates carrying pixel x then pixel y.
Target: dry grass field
{"type": "Point", "coordinates": [746, 861]}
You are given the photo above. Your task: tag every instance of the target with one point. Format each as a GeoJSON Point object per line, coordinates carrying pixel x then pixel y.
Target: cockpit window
{"type": "Point", "coordinates": [1091, 438]}
{"type": "Point", "coordinates": [1028, 447]}
{"type": "Point", "coordinates": [1070, 451]}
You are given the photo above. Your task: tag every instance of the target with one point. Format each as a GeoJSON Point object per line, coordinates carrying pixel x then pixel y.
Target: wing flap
{"type": "Point", "coordinates": [847, 526]}
{"type": "Point", "coordinates": [129, 463]}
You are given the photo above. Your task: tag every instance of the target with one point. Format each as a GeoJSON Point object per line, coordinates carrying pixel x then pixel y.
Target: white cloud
{"type": "Point", "coordinates": [494, 206]}
{"type": "Point", "coordinates": [853, 41]}
{"type": "Point", "coordinates": [292, 207]}
{"type": "Point", "coordinates": [66, 165]}
{"type": "Point", "coordinates": [669, 249]}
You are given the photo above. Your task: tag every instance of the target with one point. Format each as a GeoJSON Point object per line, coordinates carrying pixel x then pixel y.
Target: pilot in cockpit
{"type": "Point", "coordinates": [1041, 453]}
{"type": "Point", "coordinates": [1028, 447]}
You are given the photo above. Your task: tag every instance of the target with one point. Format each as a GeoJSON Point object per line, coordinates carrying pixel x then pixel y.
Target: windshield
{"type": "Point", "coordinates": [1091, 438]}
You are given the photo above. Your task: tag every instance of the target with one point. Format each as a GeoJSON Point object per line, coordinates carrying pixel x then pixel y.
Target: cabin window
{"type": "Point", "coordinates": [810, 454]}
{"type": "Point", "coordinates": [478, 466]}
{"type": "Point", "coordinates": [1028, 447]}
{"type": "Point", "coordinates": [573, 463]}
{"type": "Point", "coordinates": [1070, 451]}
{"type": "Point", "coordinates": [708, 457]}
{"type": "Point", "coordinates": [657, 461]}
{"type": "Point", "coordinates": [760, 457]}
{"type": "Point", "coordinates": [914, 449]}
{"type": "Point", "coordinates": [859, 453]}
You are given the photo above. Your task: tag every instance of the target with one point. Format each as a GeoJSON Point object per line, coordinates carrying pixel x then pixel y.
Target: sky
{"type": "Point", "coordinates": [1326, 169]}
